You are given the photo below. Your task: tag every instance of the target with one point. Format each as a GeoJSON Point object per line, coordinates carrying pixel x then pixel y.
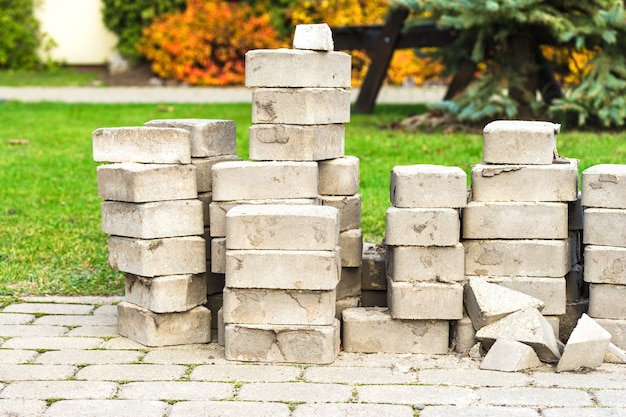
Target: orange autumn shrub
{"type": "Point", "coordinates": [206, 44]}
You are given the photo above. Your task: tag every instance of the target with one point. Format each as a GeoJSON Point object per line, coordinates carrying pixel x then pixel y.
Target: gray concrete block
{"type": "Point", "coordinates": [351, 247]}
{"type": "Point", "coordinates": [533, 258]}
{"type": "Point", "coordinates": [289, 307]}
{"type": "Point", "coordinates": [218, 255]}
{"type": "Point", "coordinates": [301, 106]}
{"type": "Point", "coordinates": [372, 298]}
{"type": "Point", "coordinates": [152, 220]}
{"type": "Point", "coordinates": [586, 347]}
{"type": "Point", "coordinates": [617, 328]}
{"type": "Point", "coordinates": [604, 186]}
{"type": "Point", "coordinates": [462, 335]}
{"type": "Point", "coordinates": [516, 220]}
{"type": "Point", "coordinates": [152, 329]}
{"type": "Point", "coordinates": [605, 265]}
{"type": "Point", "coordinates": [551, 291]}
{"type": "Point", "coordinates": [282, 142]}
{"type": "Point", "coordinates": [166, 294]}
{"type": "Point", "coordinates": [282, 344]}
{"type": "Point", "coordinates": [204, 166]}
{"type": "Point", "coordinates": [349, 209]}
{"type": "Point", "coordinates": [157, 257]}
{"type": "Point", "coordinates": [519, 142]}
{"type": "Point", "coordinates": [205, 199]}
{"type": "Point", "coordinates": [221, 328]}
{"type": "Point", "coordinates": [606, 227]}
{"type": "Point", "coordinates": [425, 300]}
{"type": "Point", "coordinates": [426, 263]}
{"type": "Point", "coordinates": [373, 330]}
{"type": "Point", "coordinates": [508, 355]}
{"type": "Point", "coordinates": [316, 37]}
{"type": "Point", "coordinates": [428, 186]}
{"type": "Point", "coordinates": [422, 226]}
{"type": "Point", "coordinates": [373, 267]}
{"type": "Point", "coordinates": [208, 137]}
{"type": "Point", "coordinates": [555, 182]}
{"type": "Point", "coordinates": [487, 302]}
{"type": "Point", "coordinates": [339, 176]}
{"type": "Point", "coordinates": [345, 303]}
{"type": "Point", "coordinates": [247, 180]}
{"type": "Point", "coordinates": [140, 183]}
{"type": "Point", "coordinates": [282, 269]}
{"type": "Point", "coordinates": [350, 283]}
{"type": "Point", "coordinates": [148, 145]}
{"type": "Point", "coordinates": [284, 227]}
{"type": "Point", "coordinates": [606, 301]}
{"type": "Point", "coordinates": [295, 68]}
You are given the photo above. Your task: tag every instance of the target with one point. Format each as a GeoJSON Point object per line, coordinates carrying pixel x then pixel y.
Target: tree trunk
{"type": "Point", "coordinates": [523, 59]}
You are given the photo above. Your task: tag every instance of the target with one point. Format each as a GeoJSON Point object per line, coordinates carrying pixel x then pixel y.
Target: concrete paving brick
{"type": "Point", "coordinates": [295, 392]}
{"type": "Point", "coordinates": [339, 176]}
{"type": "Point", "coordinates": [108, 309]}
{"type": "Point", "coordinates": [272, 226]}
{"type": "Point", "coordinates": [122, 343]}
{"type": "Point", "coordinates": [107, 408]}
{"type": "Point", "coordinates": [555, 182]}
{"type": "Point", "coordinates": [94, 331]}
{"type": "Point", "coordinates": [131, 372]}
{"type": "Point", "coordinates": [148, 145]}
{"type": "Point", "coordinates": [208, 137]}
{"type": "Point", "coordinates": [532, 258]}
{"type": "Point", "coordinates": [428, 186]}
{"type": "Point", "coordinates": [425, 300]}
{"type": "Point", "coordinates": [75, 320]}
{"type": "Point", "coordinates": [617, 328]}
{"type": "Point", "coordinates": [345, 303]}
{"type": "Point", "coordinates": [416, 394]}
{"type": "Point", "coordinates": [204, 168]}
{"type": "Point", "coordinates": [604, 186]}
{"type": "Point", "coordinates": [166, 294]}
{"type": "Point", "coordinates": [614, 355]}
{"type": "Point", "coordinates": [508, 355]}
{"type": "Point", "coordinates": [352, 410]}
{"type": "Point", "coordinates": [22, 408]}
{"type": "Point", "coordinates": [41, 390]}
{"type": "Point", "coordinates": [53, 342]}
{"type": "Point", "coordinates": [350, 283]}
{"type": "Point", "coordinates": [246, 373]}
{"type": "Point", "coordinates": [605, 227]}
{"type": "Point", "coordinates": [584, 412]}
{"type": "Point", "coordinates": [146, 182]}
{"type": "Point", "coordinates": [349, 209]}
{"type": "Point", "coordinates": [264, 180]}
{"type": "Point", "coordinates": [15, 357]}
{"type": "Point", "coordinates": [476, 411]}
{"type": "Point", "coordinates": [32, 372]}
{"type": "Point", "coordinates": [229, 409]}
{"type": "Point", "coordinates": [31, 330]}
{"type": "Point", "coordinates": [519, 142]}
{"type": "Point", "coordinates": [602, 302]}
{"type": "Point", "coordinates": [302, 106]}
{"type": "Point", "coordinates": [282, 142]}
{"type": "Point", "coordinates": [298, 68]}
{"type": "Point", "coordinates": [152, 220]}
{"type": "Point", "coordinates": [218, 255]}
{"type": "Point", "coordinates": [426, 263]}
{"type": "Point", "coordinates": [462, 335]}
{"type": "Point", "coordinates": [515, 220]}
{"type": "Point", "coordinates": [91, 357]}
{"type": "Point", "coordinates": [358, 375]}
{"type": "Point", "coordinates": [472, 377]}
{"type": "Point", "coordinates": [187, 391]}
{"type": "Point", "coordinates": [351, 247]}
{"type": "Point", "coordinates": [94, 300]}
{"type": "Point", "coordinates": [48, 308]}
{"type": "Point", "coordinates": [316, 37]}
{"type": "Point", "coordinates": [605, 265]}
{"type": "Point", "coordinates": [373, 267]}
{"type": "Point", "coordinates": [536, 397]}
{"type": "Point", "coordinates": [422, 226]}
{"type": "Point", "coordinates": [282, 269]}
{"type": "Point", "coordinates": [611, 398]}
{"type": "Point", "coordinates": [551, 291]}
{"type": "Point", "coordinates": [195, 354]}
{"type": "Point", "coordinates": [591, 380]}
{"type": "Point", "coordinates": [8, 318]}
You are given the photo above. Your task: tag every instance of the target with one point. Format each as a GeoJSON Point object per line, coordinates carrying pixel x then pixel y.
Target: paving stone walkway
{"type": "Point", "coordinates": [62, 356]}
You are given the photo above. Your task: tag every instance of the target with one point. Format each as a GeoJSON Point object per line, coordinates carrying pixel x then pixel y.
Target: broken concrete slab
{"type": "Point", "coordinates": [614, 354]}
{"type": "Point", "coordinates": [508, 355]}
{"type": "Point", "coordinates": [586, 346]}
{"type": "Point", "coordinates": [487, 302]}
{"type": "Point", "coordinates": [315, 37]}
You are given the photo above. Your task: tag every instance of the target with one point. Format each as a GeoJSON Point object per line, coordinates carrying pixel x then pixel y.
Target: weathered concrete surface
{"type": "Point", "coordinates": [586, 346]}
{"type": "Point", "coordinates": [282, 142]}
{"type": "Point", "coordinates": [519, 142]}
{"type": "Point", "coordinates": [426, 263]}
{"type": "Point", "coordinates": [339, 176]}
{"type": "Point", "coordinates": [606, 227]}
{"type": "Point", "coordinates": [617, 328]}
{"type": "Point", "coordinates": [614, 355]}
{"type": "Point", "coordinates": [351, 247]}
{"type": "Point", "coordinates": [604, 186]}
{"type": "Point", "coordinates": [509, 355]}
{"type": "Point", "coordinates": [373, 267]}
{"type": "Point", "coordinates": [422, 226]}
{"type": "Point", "coordinates": [204, 166]}
{"type": "Point", "coordinates": [425, 300]}
{"type": "Point", "coordinates": [315, 37]}
{"type": "Point", "coordinates": [349, 207]}
{"type": "Point", "coordinates": [350, 283]}
{"type": "Point", "coordinates": [606, 301]}
{"type": "Point", "coordinates": [462, 335]}
{"type": "Point", "coordinates": [428, 186]}
{"type": "Point", "coordinates": [218, 255]}
{"type": "Point", "coordinates": [551, 291]}
{"type": "Point", "coordinates": [209, 137]}
{"type": "Point", "coordinates": [167, 294]}
{"type": "Point", "coordinates": [605, 265]}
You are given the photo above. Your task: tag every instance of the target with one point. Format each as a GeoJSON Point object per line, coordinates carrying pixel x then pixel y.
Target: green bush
{"type": "Point", "coordinates": [20, 36]}
{"type": "Point", "coordinates": [127, 19]}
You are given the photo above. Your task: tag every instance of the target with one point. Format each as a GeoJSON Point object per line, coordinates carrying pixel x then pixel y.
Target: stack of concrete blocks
{"type": "Point", "coordinates": [212, 141]}
{"type": "Point", "coordinates": [515, 228]}
{"type": "Point", "coordinates": [154, 217]}
{"type": "Point", "coordinates": [283, 210]}
{"type": "Point", "coordinates": [604, 236]}
{"type": "Point", "coordinates": [424, 266]}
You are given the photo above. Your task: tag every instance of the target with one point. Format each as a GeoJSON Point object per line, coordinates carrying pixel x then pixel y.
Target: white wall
{"type": "Point", "coordinates": [76, 27]}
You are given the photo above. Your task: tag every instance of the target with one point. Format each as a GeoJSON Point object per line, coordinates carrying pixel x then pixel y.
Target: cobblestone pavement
{"type": "Point", "coordinates": [62, 356]}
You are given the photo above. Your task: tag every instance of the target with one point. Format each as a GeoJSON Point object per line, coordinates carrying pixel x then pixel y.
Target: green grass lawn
{"type": "Point", "coordinates": [55, 77]}
{"type": "Point", "coordinates": [50, 236]}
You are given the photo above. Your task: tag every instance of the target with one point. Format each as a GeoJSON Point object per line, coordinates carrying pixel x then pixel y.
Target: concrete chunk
{"type": "Point", "coordinates": [350, 283]}
{"type": "Point", "coordinates": [349, 209]}
{"type": "Point", "coordinates": [605, 265]}
{"type": "Point", "coordinates": [167, 329]}
{"type": "Point", "coordinates": [152, 220]}
{"type": "Point", "coordinates": [617, 328]}
{"type": "Point", "coordinates": [508, 355]}
{"type": "Point", "coordinates": [148, 145]}
{"type": "Point", "coordinates": [247, 180]}
{"type": "Point", "coordinates": [586, 346]}
{"type": "Point", "coordinates": [166, 294]}
{"type": "Point", "coordinates": [428, 186]}
{"type": "Point", "coordinates": [463, 335]}
{"type": "Point", "coordinates": [316, 37]}
{"type": "Point", "coordinates": [140, 183]}
{"type": "Point", "coordinates": [297, 68]}
{"type": "Point", "coordinates": [486, 302]}
{"type": "Point", "coordinates": [218, 255]}
{"type": "Point", "coordinates": [339, 176]}
{"type": "Point", "coordinates": [527, 326]}
{"type": "Point", "coordinates": [425, 300]}
{"type": "Point", "coordinates": [519, 142]}
{"type": "Point", "coordinates": [208, 137]}
{"type": "Point", "coordinates": [604, 186]}
{"type": "Point", "coordinates": [606, 301]}
{"type": "Point", "coordinates": [204, 166]}
{"type": "Point", "coordinates": [301, 106]}
{"type": "Point", "coordinates": [551, 291]}
{"type": "Point", "coordinates": [281, 142]}
{"type": "Point", "coordinates": [373, 330]}
{"type": "Point", "coordinates": [422, 227]}
{"type": "Point", "coordinates": [606, 227]}
{"type": "Point", "coordinates": [351, 247]}
{"type": "Point", "coordinates": [426, 263]}
{"type": "Point", "coordinates": [285, 227]}
{"type": "Point", "coordinates": [282, 344]}
{"type": "Point", "coordinates": [614, 355]}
